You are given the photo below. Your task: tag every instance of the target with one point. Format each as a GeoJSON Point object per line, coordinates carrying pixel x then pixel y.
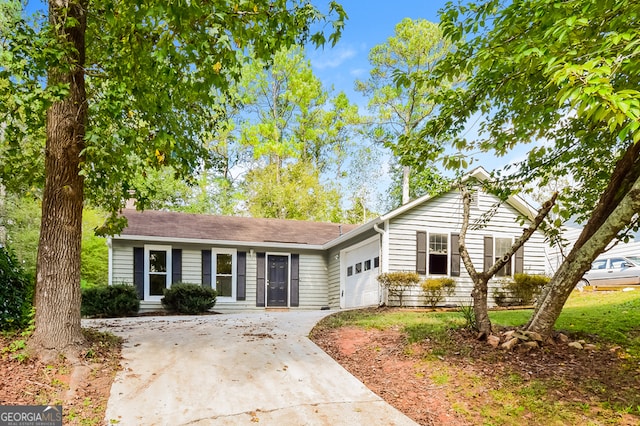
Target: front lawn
{"type": "Point", "coordinates": [482, 385]}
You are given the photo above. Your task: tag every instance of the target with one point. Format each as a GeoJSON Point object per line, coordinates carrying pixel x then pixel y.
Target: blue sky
{"type": "Point", "coordinates": [370, 23]}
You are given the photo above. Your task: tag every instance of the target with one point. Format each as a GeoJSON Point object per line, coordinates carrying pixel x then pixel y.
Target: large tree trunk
{"type": "Point", "coordinates": [481, 279]}
{"type": "Point", "coordinates": [57, 298]}
{"type": "Point", "coordinates": [579, 260]}
{"type": "Point", "coordinates": [406, 174]}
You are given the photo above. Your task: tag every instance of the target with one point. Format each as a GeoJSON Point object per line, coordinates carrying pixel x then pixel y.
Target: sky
{"type": "Point", "coordinates": [371, 22]}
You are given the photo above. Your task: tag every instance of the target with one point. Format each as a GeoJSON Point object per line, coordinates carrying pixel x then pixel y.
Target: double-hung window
{"type": "Point", "coordinates": [438, 250]}
{"type": "Point", "coordinates": [223, 267]}
{"type": "Point", "coordinates": [502, 247]}
{"type": "Point", "coordinates": [433, 254]}
{"type": "Point", "coordinates": [157, 266]}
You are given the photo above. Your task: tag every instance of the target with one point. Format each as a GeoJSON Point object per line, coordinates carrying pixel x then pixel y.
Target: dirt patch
{"type": "Point", "coordinates": [459, 385]}
{"type": "Point", "coordinates": [82, 388]}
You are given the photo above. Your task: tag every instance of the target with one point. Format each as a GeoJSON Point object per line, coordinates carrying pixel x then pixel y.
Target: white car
{"type": "Point", "coordinates": [619, 271]}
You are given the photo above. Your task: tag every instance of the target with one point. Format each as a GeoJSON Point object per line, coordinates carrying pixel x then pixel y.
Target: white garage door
{"type": "Point", "coordinates": [361, 266]}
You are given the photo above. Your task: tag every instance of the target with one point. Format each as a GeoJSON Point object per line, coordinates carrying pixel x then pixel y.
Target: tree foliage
{"type": "Point", "coordinates": [401, 107]}
{"type": "Point", "coordinates": [293, 191]}
{"type": "Point", "coordinates": [124, 87]}
{"type": "Point", "coordinates": [563, 76]}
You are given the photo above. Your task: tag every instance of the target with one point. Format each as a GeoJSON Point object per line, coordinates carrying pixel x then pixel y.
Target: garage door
{"type": "Point", "coordinates": [362, 266]}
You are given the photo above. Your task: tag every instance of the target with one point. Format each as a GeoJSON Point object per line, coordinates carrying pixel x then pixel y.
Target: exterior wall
{"type": "Point", "coordinates": [313, 274]}
{"type": "Point", "coordinates": [191, 266]}
{"type": "Point", "coordinates": [444, 215]}
{"type": "Point", "coordinates": [122, 268]}
{"type": "Point", "coordinates": [334, 275]}
{"type": "Point", "coordinates": [313, 280]}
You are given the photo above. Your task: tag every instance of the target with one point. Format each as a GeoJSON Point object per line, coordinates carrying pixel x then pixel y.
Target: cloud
{"type": "Point", "coordinates": [358, 72]}
{"type": "Point", "coordinates": [333, 58]}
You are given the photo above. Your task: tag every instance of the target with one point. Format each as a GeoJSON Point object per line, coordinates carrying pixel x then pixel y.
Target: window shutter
{"type": "Point", "coordinates": [519, 266]}
{"type": "Point", "coordinates": [206, 268]}
{"type": "Point", "coordinates": [488, 252]}
{"type": "Point", "coordinates": [241, 276]}
{"type": "Point", "coordinates": [421, 252]}
{"type": "Point", "coordinates": [295, 280]}
{"type": "Point", "coordinates": [260, 279]}
{"type": "Point", "coordinates": [138, 270]}
{"type": "Point", "coordinates": [455, 255]}
{"type": "Point", "coordinates": [176, 266]}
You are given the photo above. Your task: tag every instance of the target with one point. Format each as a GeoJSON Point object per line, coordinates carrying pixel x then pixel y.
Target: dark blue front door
{"type": "Point", "coordinates": [277, 280]}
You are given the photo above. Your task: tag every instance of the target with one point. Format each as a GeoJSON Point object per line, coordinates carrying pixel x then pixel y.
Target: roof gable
{"type": "Point", "coordinates": [480, 174]}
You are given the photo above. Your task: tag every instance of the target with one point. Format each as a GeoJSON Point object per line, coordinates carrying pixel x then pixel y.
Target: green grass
{"type": "Point", "coordinates": [612, 318]}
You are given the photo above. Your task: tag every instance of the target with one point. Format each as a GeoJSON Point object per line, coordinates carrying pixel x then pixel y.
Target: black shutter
{"type": "Point", "coordinates": [488, 253]}
{"type": "Point", "coordinates": [519, 266]}
{"type": "Point", "coordinates": [455, 255]}
{"type": "Point", "coordinates": [241, 276]}
{"type": "Point", "coordinates": [260, 279]}
{"type": "Point", "coordinates": [176, 266]}
{"type": "Point", "coordinates": [295, 280]}
{"type": "Point", "coordinates": [138, 270]}
{"type": "Point", "coordinates": [421, 252]}
{"type": "Point", "coordinates": [206, 268]}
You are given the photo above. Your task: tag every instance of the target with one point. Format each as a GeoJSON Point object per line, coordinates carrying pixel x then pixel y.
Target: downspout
{"type": "Point", "coordinates": [110, 280]}
{"type": "Point", "coordinates": [383, 297]}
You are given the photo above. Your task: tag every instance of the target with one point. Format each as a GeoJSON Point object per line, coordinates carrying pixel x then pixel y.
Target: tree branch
{"type": "Point", "coordinates": [526, 234]}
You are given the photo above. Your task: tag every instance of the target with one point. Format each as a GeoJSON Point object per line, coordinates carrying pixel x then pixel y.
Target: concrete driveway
{"type": "Point", "coordinates": [231, 369]}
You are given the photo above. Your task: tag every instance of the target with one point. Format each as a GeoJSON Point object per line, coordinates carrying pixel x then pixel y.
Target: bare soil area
{"type": "Point", "coordinates": [82, 388]}
{"type": "Point", "coordinates": [461, 385]}
{"type": "Point", "coordinates": [457, 385]}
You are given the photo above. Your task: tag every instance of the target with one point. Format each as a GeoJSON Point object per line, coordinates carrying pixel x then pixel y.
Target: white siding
{"type": "Point", "coordinates": [313, 281]}
{"type": "Point", "coordinates": [192, 266]}
{"type": "Point", "coordinates": [334, 279]}
{"type": "Point", "coordinates": [444, 214]}
{"type": "Point", "coordinates": [122, 267]}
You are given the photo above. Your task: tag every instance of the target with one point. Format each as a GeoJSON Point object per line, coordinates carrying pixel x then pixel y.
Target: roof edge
{"type": "Point", "coordinates": [253, 244]}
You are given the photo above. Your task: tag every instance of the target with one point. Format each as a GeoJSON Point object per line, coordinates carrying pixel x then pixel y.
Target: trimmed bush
{"type": "Point", "coordinates": [16, 292]}
{"type": "Point", "coordinates": [191, 299]}
{"type": "Point", "coordinates": [521, 290]}
{"type": "Point", "coordinates": [397, 283]}
{"type": "Point", "coordinates": [120, 300]}
{"type": "Point", "coordinates": [434, 289]}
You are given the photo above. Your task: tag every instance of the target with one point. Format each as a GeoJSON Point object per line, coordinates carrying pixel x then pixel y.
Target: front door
{"type": "Point", "coordinates": [277, 280]}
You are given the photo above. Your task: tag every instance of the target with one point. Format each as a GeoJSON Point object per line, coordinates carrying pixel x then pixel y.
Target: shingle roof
{"type": "Point", "coordinates": [230, 228]}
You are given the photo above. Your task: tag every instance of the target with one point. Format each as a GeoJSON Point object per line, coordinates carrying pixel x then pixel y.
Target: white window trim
{"type": "Point", "coordinates": [448, 234]}
{"type": "Point", "coordinates": [234, 273]}
{"type": "Point", "coordinates": [147, 249]}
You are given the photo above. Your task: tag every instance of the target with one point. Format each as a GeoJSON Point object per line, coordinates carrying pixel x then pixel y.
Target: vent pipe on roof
{"type": "Point", "coordinates": [340, 229]}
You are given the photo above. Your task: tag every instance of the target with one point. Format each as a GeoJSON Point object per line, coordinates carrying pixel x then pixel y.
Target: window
{"type": "Point", "coordinates": [599, 264]}
{"type": "Point", "coordinates": [224, 265]}
{"type": "Point", "coordinates": [438, 248]}
{"type": "Point", "coordinates": [367, 264]}
{"type": "Point", "coordinates": [358, 267]}
{"type": "Point", "coordinates": [502, 247]}
{"type": "Point", "coordinates": [157, 266]}
{"type": "Point", "coordinates": [349, 271]}
{"type": "Point", "coordinates": [376, 262]}
{"type": "Point", "coordinates": [617, 263]}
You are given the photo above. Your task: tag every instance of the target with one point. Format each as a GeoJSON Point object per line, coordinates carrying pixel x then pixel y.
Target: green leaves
{"type": "Point", "coordinates": [156, 76]}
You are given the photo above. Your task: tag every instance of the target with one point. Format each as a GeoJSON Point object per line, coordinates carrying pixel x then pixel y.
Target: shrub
{"type": "Point", "coordinates": [119, 300]}
{"type": "Point", "coordinates": [434, 289]}
{"type": "Point", "coordinates": [16, 292]}
{"type": "Point", "coordinates": [521, 290]}
{"type": "Point", "coordinates": [397, 283]}
{"type": "Point", "coordinates": [185, 298]}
